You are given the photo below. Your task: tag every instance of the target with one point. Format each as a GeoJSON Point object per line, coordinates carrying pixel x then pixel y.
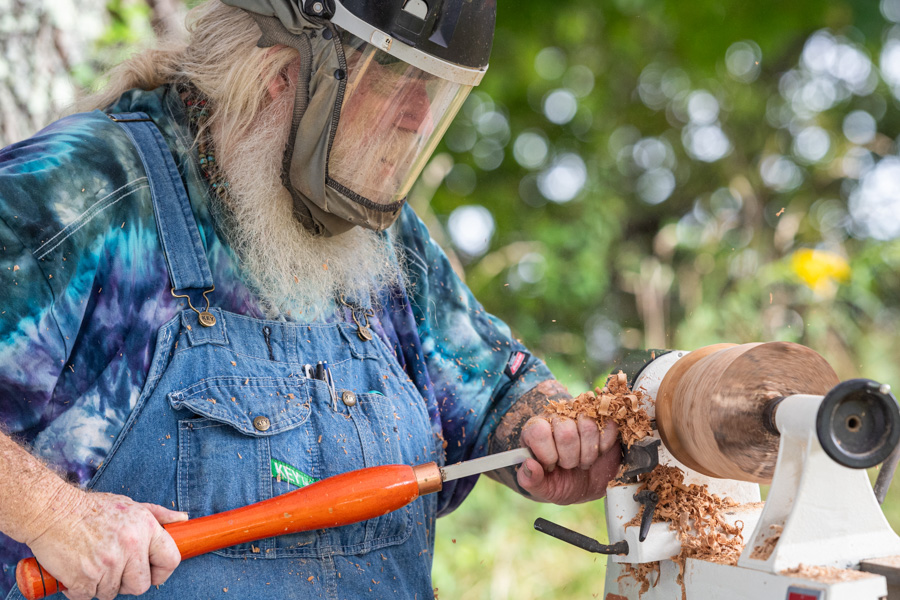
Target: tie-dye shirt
{"type": "Point", "coordinates": [85, 289]}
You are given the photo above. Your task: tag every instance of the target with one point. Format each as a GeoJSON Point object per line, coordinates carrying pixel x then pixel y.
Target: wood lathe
{"type": "Point", "coordinates": [732, 417]}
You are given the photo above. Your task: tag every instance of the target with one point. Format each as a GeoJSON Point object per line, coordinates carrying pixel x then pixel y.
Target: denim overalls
{"type": "Point", "coordinates": [229, 417]}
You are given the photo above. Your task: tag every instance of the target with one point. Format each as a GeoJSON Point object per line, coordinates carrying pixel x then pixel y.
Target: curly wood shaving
{"type": "Point", "coordinates": [614, 402]}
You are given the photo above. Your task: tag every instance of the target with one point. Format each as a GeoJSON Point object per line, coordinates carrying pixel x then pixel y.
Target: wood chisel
{"type": "Point", "coordinates": [340, 500]}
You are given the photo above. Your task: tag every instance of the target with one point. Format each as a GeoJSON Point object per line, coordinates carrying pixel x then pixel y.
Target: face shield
{"type": "Point", "coordinates": [392, 118]}
{"type": "Point", "coordinates": [379, 84]}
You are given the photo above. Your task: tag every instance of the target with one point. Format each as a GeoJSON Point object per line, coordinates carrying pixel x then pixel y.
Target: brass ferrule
{"type": "Point", "coordinates": [429, 478]}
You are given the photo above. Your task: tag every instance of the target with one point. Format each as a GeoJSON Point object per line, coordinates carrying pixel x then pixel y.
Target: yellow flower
{"type": "Point", "coordinates": [821, 270]}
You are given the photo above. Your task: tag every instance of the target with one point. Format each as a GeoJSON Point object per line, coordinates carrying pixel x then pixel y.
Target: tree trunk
{"type": "Point", "coordinates": [168, 17]}
{"type": "Point", "coordinates": [40, 42]}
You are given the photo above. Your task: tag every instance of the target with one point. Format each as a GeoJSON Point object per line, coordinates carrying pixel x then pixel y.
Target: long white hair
{"type": "Point", "coordinates": [290, 270]}
{"type": "Point", "coordinates": [220, 58]}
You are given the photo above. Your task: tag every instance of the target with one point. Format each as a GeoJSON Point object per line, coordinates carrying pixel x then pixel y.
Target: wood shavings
{"type": "Point", "coordinates": [825, 574]}
{"type": "Point", "coordinates": [764, 550]}
{"type": "Point", "coordinates": [641, 573]}
{"type": "Point", "coordinates": [614, 402]}
{"type": "Point", "coordinates": [690, 509]}
{"type": "Point", "coordinates": [697, 517]}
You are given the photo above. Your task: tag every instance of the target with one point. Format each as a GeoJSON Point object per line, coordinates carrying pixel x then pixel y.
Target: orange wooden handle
{"type": "Point", "coordinates": [34, 582]}
{"type": "Point", "coordinates": [339, 500]}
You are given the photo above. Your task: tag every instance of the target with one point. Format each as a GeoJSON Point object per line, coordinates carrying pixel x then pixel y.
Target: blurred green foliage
{"type": "Point", "coordinates": [651, 171]}
{"type": "Point", "coordinates": [636, 174]}
{"type": "Point", "coordinates": [128, 31]}
{"type": "Point", "coordinates": [789, 234]}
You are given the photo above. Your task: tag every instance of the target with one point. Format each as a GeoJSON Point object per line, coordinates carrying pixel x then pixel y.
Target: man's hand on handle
{"type": "Point", "coordinates": [574, 459]}
{"type": "Point", "coordinates": [102, 545]}
{"type": "Point", "coordinates": [97, 545]}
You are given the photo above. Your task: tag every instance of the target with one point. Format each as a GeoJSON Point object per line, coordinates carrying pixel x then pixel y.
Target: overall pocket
{"type": "Point", "coordinates": [246, 439]}
{"type": "Point", "coordinates": [345, 438]}
{"type": "Point", "coordinates": [224, 428]}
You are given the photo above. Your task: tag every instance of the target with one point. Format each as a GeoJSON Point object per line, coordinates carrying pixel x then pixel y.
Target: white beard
{"type": "Point", "coordinates": [292, 272]}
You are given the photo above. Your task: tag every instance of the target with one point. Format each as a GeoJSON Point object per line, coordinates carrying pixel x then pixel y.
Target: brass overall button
{"type": "Point", "coordinates": [262, 423]}
{"type": "Point", "coordinates": [349, 398]}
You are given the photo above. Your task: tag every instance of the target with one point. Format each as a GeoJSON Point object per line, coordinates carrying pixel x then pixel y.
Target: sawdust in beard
{"type": "Point", "coordinates": [689, 509]}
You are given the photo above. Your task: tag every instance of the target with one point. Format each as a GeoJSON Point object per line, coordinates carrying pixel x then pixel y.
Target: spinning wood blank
{"type": "Point", "coordinates": [709, 410]}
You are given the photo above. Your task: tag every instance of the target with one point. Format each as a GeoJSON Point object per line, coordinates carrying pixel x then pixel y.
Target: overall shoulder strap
{"type": "Point", "coordinates": [185, 255]}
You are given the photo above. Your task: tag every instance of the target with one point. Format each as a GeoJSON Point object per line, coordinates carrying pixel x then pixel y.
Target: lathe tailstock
{"type": "Point", "coordinates": [732, 417]}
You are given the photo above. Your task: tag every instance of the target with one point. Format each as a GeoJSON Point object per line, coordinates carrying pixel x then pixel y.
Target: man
{"type": "Point", "coordinates": [214, 293]}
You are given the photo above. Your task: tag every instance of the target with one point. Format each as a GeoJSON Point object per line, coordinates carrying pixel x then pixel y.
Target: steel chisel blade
{"type": "Point", "coordinates": [486, 463]}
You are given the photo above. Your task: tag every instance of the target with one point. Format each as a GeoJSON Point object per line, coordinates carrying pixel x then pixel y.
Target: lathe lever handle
{"type": "Point", "coordinates": [576, 539]}
{"type": "Point", "coordinates": [649, 500]}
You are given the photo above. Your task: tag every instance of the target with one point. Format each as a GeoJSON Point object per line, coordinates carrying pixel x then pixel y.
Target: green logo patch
{"type": "Point", "coordinates": [285, 472]}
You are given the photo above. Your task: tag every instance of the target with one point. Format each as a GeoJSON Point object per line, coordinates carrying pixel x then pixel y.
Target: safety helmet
{"type": "Point", "coordinates": [380, 82]}
{"type": "Point", "coordinates": [450, 39]}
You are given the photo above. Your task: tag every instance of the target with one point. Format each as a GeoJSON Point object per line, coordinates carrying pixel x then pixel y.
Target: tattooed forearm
{"type": "Point", "coordinates": [506, 437]}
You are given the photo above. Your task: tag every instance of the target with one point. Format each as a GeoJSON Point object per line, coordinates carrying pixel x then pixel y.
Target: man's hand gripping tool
{"type": "Point", "coordinates": [642, 457]}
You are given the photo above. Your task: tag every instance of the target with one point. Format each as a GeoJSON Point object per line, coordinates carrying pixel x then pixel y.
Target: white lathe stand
{"type": "Point", "coordinates": [826, 514]}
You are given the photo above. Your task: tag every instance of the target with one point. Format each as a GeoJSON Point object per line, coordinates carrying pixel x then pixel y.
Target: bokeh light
{"type": "Point", "coordinates": [812, 144]}
{"type": "Point", "coordinates": [493, 124]}
{"type": "Point", "coordinates": [891, 10]}
{"type": "Point", "coordinates": [560, 106]}
{"type": "Point", "coordinates": [531, 149]}
{"type": "Point", "coordinates": [856, 162]}
{"type": "Point", "coordinates": [875, 203]}
{"type": "Point", "coordinates": [859, 127]}
{"type": "Point", "coordinates": [650, 153]}
{"type": "Point", "coordinates": [461, 179]}
{"type": "Point", "coordinates": [650, 86]}
{"type": "Point", "coordinates": [550, 63]}
{"type": "Point", "coordinates": [780, 173]}
{"type": "Point", "coordinates": [580, 80]}
{"type": "Point", "coordinates": [532, 267]}
{"type": "Point", "coordinates": [742, 60]}
{"type": "Point", "coordinates": [707, 143]}
{"type": "Point", "coordinates": [601, 338]}
{"type": "Point", "coordinates": [703, 108]}
{"type": "Point", "coordinates": [471, 228]}
{"type": "Point", "coordinates": [488, 154]}
{"type": "Point", "coordinates": [564, 178]}
{"type": "Point", "coordinates": [656, 185]}
{"type": "Point", "coordinates": [889, 63]}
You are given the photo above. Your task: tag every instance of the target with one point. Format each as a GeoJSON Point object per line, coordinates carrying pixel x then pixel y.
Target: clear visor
{"type": "Point", "coordinates": [392, 118]}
